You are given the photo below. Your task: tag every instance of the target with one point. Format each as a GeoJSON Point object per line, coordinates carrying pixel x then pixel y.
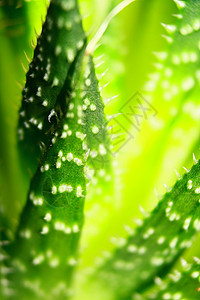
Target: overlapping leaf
{"type": "Point", "coordinates": [42, 107]}
{"type": "Point", "coordinates": [46, 241]}
{"type": "Point", "coordinates": [181, 283]}
{"type": "Point", "coordinates": [49, 230]}
{"type": "Point", "coordinates": [158, 242]}
{"type": "Point", "coordinates": [173, 224]}
{"type": "Point", "coordinates": [95, 128]}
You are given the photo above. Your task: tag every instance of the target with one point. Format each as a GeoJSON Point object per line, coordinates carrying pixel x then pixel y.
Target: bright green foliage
{"type": "Point", "coordinates": [65, 145]}
{"type": "Point", "coordinates": [53, 216]}
{"type": "Point", "coordinates": [148, 252]}
{"type": "Point", "coordinates": [166, 142]}
{"type": "Point", "coordinates": [180, 284]}
{"type": "Point", "coordinates": [174, 87]}
{"type": "Point", "coordinates": [95, 127]}
{"type": "Point", "coordinates": [42, 107]}
{"type": "Point", "coordinates": [178, 74]}
{"type": "Point", "coordinates": [152, 250]}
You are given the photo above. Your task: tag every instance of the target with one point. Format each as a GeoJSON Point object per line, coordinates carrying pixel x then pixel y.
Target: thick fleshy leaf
{"type": "Point", "coordinates": [61, 39]}
{"type": "Point", "coordinates": [97, 139]}
{"type": "Point", "coordinates": [182, 283]}
{"type": "Point", "coordinates": [45, 248]}
{"type": "Point", "coordinates": [158, 242]}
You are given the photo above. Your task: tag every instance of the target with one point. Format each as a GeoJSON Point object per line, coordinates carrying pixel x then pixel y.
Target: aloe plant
{"type": "Point", "coordinates": [65, 154]}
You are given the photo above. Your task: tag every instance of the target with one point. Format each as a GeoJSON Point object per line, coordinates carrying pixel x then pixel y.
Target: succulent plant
{"type": "Point", "coordinates": [63, 156]}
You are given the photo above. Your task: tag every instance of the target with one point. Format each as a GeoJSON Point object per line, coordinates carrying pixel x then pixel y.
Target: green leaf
{"type": "Point", "coordinates": [46, 242]}
{"type": "Point", "coordinates": [50, 225]}
{"type": "Point", "coordinates": [97, 140]}
{"type": "Point", "coordinates": [158, 242]}
{"type": "Point", "coordinates": [61, 40]}
{"type": "Point", "coordinates": [181, 283]}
